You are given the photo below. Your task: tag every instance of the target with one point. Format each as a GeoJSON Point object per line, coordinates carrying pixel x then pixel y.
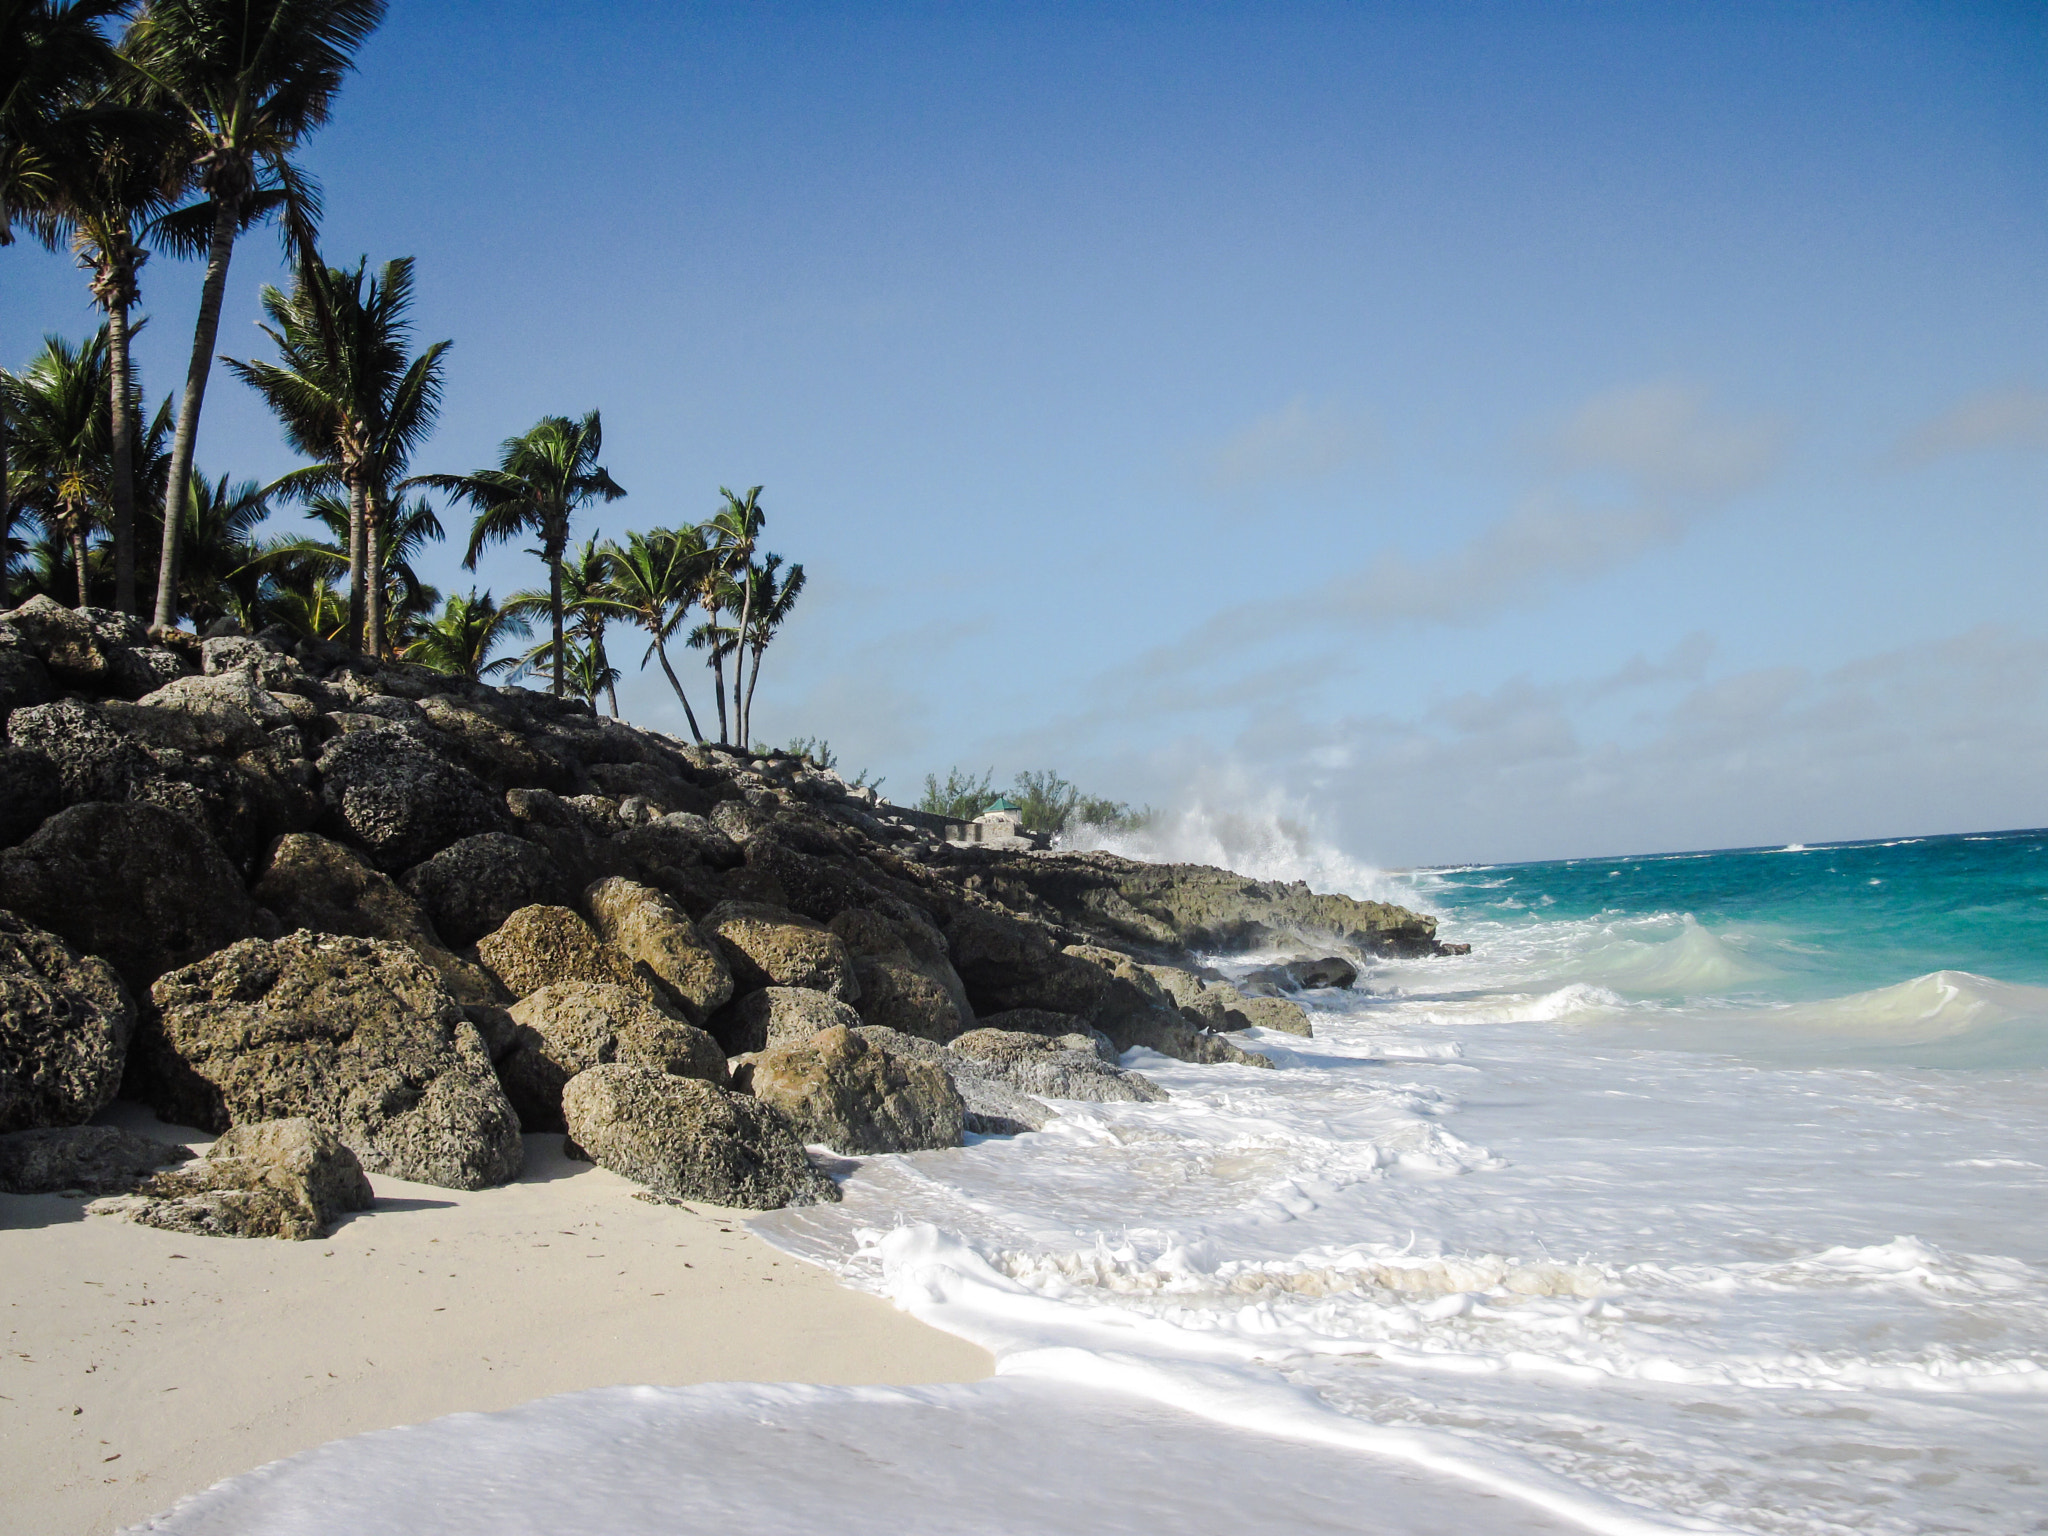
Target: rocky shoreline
{"type": "Point", "coordinates": [355, 915]}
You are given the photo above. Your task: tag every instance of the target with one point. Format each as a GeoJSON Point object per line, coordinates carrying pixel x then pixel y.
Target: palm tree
{"type": "Point", "coordinates": [52, 59]}
{"type": "Point", "coordinates": [771, 605]}
{"type": "Point", "coordinates": [588, 605]}
{"type": "Point", "coordinates": [654, 578]}
{"type": "Point", "coordinates": [589, 673]}
{"type": "Point", "coordinates": [733, 532]}
{"type": "Point", "coordinates": [348, 397]}
{"type": "Point", "coordinates": [293, 561]}
{"type": "Point", "coordinates": [218, 571]}
{"type": "Point", "coordinates": [461, 639]}
{"type": "Point", "coordinates": [248, 80]}
{"type": "Point", "coordinates": [543, 479]}
{"type": "Point", "coordinates": [59, 457]}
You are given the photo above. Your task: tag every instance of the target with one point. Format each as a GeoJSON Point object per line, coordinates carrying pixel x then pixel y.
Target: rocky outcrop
{"type": "Point", "coordinates": [907, 982]}
{"type": "Point", "coordinates": [65, 1023]}
{"type": "Point", "coordinates": [767, 946]}
{"type": "Point", "coordinates": [357, 1034]}
{"type": "Point", "coordinates": [140, 886]}
{"type": "Point", "coordinates": [644, 925]}
{"type": "Point", "coordinates": [85, 1159]}
{"type": "Point", "coordinates": [688, 1140]}
{"type": "Point", "coordinates": [777, 1016]}
{"type": "Point", "coordinates": [470, 887]}
{"type": "Point", "coordinates": [571, 1026]}
{"type": "Point", "coordinates": [31, 790]}
{"type": "Point", "coordinates": [1066, 1068]}
{"type": "Point", "coordinates": [398, 799]}
{"type": "Point", "coordinates": [540, 946]}
{"type": "Point", "coordinates": [857, 1096]}
{"type": "Point", "coordinates": [992, 1107]}
{"type": "Point", "coordinates": [278, 1178]}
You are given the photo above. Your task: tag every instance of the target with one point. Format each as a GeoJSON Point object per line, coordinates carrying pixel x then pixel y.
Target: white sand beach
{"type": "Point", "coordinates": [139, 1366]}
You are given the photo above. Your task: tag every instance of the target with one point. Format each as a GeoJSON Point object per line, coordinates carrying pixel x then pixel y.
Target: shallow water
{"type": "Point", "coordinates": [1705, 1195]}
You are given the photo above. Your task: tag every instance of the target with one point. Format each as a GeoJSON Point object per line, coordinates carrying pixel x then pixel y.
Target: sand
{"type": "Point", "coordinates": [139, 1366]}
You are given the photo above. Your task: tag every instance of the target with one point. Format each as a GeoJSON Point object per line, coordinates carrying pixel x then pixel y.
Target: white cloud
{"type": "Point", "coordinates": [2004, 418]}
{"type": "Point", "coordinates": [1303, 440]}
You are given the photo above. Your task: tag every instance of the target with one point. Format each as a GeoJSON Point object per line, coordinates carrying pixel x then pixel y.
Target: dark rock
{"type": "Point", "coordinates": [24, 680]}
{"type": "Point", "coordinates": [92, 1159]}
{"type": "Point", "coordinates": [1328, 971]}
{"type": "Point", "coordinates": [572, 1026]}
{"type": "Point", "coordinates": [992, 1107]}
{"type": "Point", "coordinates": [470, 887]}
{"type": "Point", "coordinates": [65, 1023]}
{"type": "Point", "coordinates": [858, 1097]}
{"type": "Point", "coordinates": [777, 1016]}
{"type": "Point", "coordinates": [400, 801]}
{"type": "Point", "coordinates": [907, 983]}
{"type": "Point", "coordinates": [139, 885]}
{"type": "Point", "coordinates": [688, 1140]}
{"type": "Point", "coordinates": [358, 1034]}
{"type": "Point", "coordinates": [277, 1178]}
{"type": "Point", "coordinates": [767, 946]}
{"type": "Point", "coordinates": [31, 791]}
{"type": "Point", "coordinates": [65, 639]}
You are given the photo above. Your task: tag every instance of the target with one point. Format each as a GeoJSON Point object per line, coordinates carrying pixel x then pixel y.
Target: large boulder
{"type": "Point", "coordinates": [1195, 1001]}
{"type": "Point", "coordinates": [24, 680]}
{"type": "Point", "coordinates": [470, 887]}
{"type": "Point", "coordinates": [1274, 1013]}
{"type": "Point", "coordinates": [358, 1034]}
{"type": "Point", "coordinates": [572, 1026]}
{"type": "Point", "coordinates": [66, 640]}
{"type": "Point", "coordinates": [646, 926]}
{"type": "Point", "coordinates": [277, 1178]}
{"type": "Point", "coordinates": [906, 981]}
{"type": "Point", "coordinates": [688, 1140]}
{"type": "Point", "coordinates": [1054, 1069]}
{"type": "Point", "coordinates": [540, 945]}
{"type": "Point", "coordinates": [777, 1016]}
{"type": "Point", "coordinates": [314, 882]}
{"type": "Point", "coordinates": [138, 885]}
{"type": "Point", "coordinates": [859, 1097]}
{"type": "Point", "coordinates": [767, 946]}
{"type": "Point", "coordinates": [93, 759]}
{"type": "Point", "coordinates": [92, 1159]}
{"type": "Point", "coordinates": [398, 799]}
{"type": "Point", "coordinates": [992, 1107]}
{"type": "Point", "coordinates": [65, 1023]}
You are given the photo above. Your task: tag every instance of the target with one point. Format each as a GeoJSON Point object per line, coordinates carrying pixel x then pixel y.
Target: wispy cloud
{"type": "Point", "coordinates": [2000, 418]}
{"type": "Point", "coordinates": [1304, 440]}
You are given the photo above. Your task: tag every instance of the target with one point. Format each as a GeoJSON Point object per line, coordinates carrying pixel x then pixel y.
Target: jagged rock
{"type": "Point", "coordinates": [141, 886]}
{"type": "Point", "coordinates": [24, 680]}
{"type": "Point", "coordinates": [135, 670]}
{"type": "Point", "coordinates": [65, 1023]}
{"type": "Point", "coordinates": [662, 787]}
{"type": "Point", "coordinates": [471, 886]}
{"type": "Point", "coordinates": [1325, 971]}
{"type": "Point", "coordinates": [288, 1178]}
{"type": "Point", "coordinates": [766, 946]}
{"type": "Point", "coordinates": [992, 1107]}
{"type": "Point", "coordinates": [477, 735]}
{"type": "Point", "coordinates": [92, 1159]}
{"type": "Point", "coordinates": [1276, 1013]}
{"type": "Point", "coordinates": [688, 1140]}
{"type": "Point", "coordinates": [858, 1097]}
{"type": "Point", "coordinates": [572, 1026]}
{"type": "Point", "coordinates": [229, 653]}
{"type": "Point", "coordinates": [1132, 1010]}
{"type": "Point", "coordinates": [540, 945]}
{"type": "Point", "coordinates": [313, 882]}
{"type": "Point", "coordinates": [1055, 1069]}
{"type": "Point", "coordinates": [233, 706]}
{"type": "Point", "coordinates": [1194, 1001]}
{"type": "Point", "coordinates": [31, 791]}
{"type": "Point", "coordinates": [358, 1034]}
{"type": "Point", "coordinates": [906, 981]}
{"type": "Point", "coordinates": [93, 760]}
{"type": "Point", "coordinates": [63, 638]}
{"type": "Point", "coordinates": [646, 926]}
{"type": "Point", "coordinates": [398, 799]}
{"type": "Point", "coordinates": [777, 1016]}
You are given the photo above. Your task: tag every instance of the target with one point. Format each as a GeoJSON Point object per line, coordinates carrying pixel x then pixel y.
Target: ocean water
{"type": "Point", "coordinates": [1710, 1193]}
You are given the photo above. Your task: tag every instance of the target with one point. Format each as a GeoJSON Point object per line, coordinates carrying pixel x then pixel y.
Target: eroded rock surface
{"type": "Point", "coordinates": [768, 946]}
{"type": "Point", "coordinates": [65, 1023]}
{"type": "Point", "coordinates": [91, 1159]}
{"type": "Point", "coordinates": [571, 1026]}
{"type": "Point", "coordinates": [857, 1096]}
{"type": "Point", "coordinates": [644, 925]}
{"type": "Point", "coordinates": [276, 1178]}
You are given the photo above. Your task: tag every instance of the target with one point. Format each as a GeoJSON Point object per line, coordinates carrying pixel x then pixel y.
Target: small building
{"type": "Point", "coordinates": [1000, 826]}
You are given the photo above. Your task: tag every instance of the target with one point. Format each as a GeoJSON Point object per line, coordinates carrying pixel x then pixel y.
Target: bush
{"type": "Point", "coordinates": [1050, 803]}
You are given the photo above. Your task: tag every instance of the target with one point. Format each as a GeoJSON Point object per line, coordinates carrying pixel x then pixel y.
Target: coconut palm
{"type": "Point", "coordinates": [654, 579]}
{"type": "Point", "coordinates": [58, 461]}
{"type": "Point", "coordinates": [247, 80]}
{"type": "Point", "coordinates": [406, 599]}
{"type": "Point", "coordinates": [218, 571]}
{"type": "Point", "coordinates": [589, 673]}
{"type": "Point", "coordinates": [772, 600]}
{"type": "Point", "coordinates": [732, 532]}
{"type": "Point", "coordinates": [543, 479]}
{"type": "Point", "coordinates": [588, 606]}
{"type": "Point", "coordinates": [350, 398]}
{"type": "Point", "coordinates": [460, 640]}
{"type": "Point", "coordinates": [53, 59]}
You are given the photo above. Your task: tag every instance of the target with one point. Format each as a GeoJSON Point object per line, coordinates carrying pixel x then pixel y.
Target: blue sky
{"type": "Point", "coordinates": [1476, 432]}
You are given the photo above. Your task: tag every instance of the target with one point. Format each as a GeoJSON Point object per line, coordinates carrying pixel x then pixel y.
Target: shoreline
{"type": "Point", "coordinates": [438, 1301]}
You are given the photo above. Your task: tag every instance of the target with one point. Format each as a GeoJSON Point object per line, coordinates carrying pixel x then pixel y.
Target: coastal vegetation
{"type": "Point", "coordinates": [1046, 802]}
{"type": "Point", "coordinates": [138, 127]}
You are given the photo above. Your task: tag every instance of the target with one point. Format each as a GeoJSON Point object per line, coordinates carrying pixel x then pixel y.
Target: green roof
{"type": "Point", "coordinates": [1003, 803]}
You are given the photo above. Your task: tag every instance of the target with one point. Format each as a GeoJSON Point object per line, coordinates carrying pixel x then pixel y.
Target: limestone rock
{"type": "Point", "coordinates": [572, 1026]}
{"type": "Point", "coordinates": [398, 799]}
{"type": "Point", "coordinates": [1326, 971]}
{"type": "Point", "coordinates": [777, 1016]}
{"type": "Point", "coordinates": [1055, 1069]}
{"type": "Point", "coordinates": [138, 885]}
{"type": "Point", "coordinates": [315, 883]}
{"type": "Point", "coordinates": [767, 946]}
{"type": "Point", "coordinates": [94, 1159]}
{"type": "Point", "coordinates": [65, 1023]}
{"type": "Point", "coordinates": [539, 945]}
{"type": "Point", "coordinates": [646, 926]}
{"type": "Point", "coordinates": [30, 791]}
{"type": "Point", "coordinates": [471, 886]}
{"type": "Point", "coordinates": [689, 1140]}
{"type": "Point", "coordinates": [906, 981]}
{"type": "Point", "coordinates": [64, 639]}
{"type": "Point", "coordinates": [288, 1178]}
{"type": "Point", "coordinates": [358, 1034]}
{"type": "Point", "coordinates": [1196, 1003]}
{"type": "Point", "coordinates": [24, 680]}
{"type": "Point", "coordinates": [858, 1097]}
{"type": "Point", "coordinates": [993, 1107]}
{"type": "Point", "coordinates": [1276, 1013]}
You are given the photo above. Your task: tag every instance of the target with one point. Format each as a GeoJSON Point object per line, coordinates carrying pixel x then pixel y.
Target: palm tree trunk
{"type": "Point", "coordinates": [718, 682]}
{"type": "Point", "coordinates": [689, 714]}
{"type": "Point", "coordinates": [78, 558]}
{"type": "Point", "coordinates": [739, 653]}
{"type": "Point", "coordinates": [222, 246]}
{"type": "Point", "coordinates": [123, 445]}
{"type": "Point", "coordinates": [753, 679]}
{"type": "Point", "coordinates": [373, 572]}
{"type": "Point", "coordinates": [555, 611]}
{"type": "Point", "coordinates": [358, 560]}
